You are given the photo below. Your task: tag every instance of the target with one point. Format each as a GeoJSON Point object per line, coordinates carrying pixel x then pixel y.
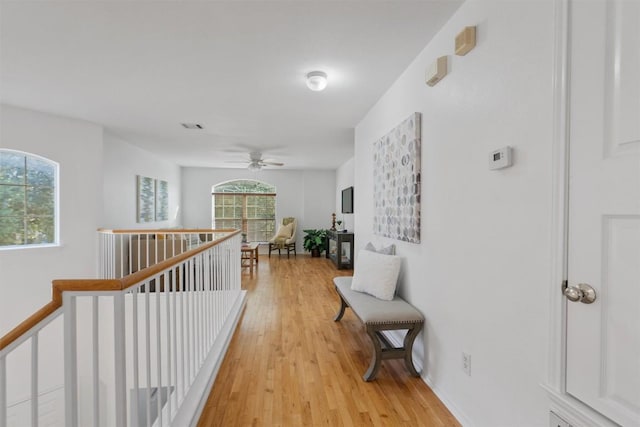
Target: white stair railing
{"type": "Point", "coordinates": [122, 252]}
{"type": "Point", "coordinates": [138, 350]}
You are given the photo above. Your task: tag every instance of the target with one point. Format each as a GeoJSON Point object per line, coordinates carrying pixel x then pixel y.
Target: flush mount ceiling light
{"type": "Point", "coordinates": [317, 80]}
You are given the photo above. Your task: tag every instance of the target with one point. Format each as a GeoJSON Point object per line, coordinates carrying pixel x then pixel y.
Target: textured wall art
{"type": "Point", "coordinates": [146, 199]}
{"type": "Point", "coordinates": [396, 182]}
{"type": "Point", "coordinates": [162, 200]}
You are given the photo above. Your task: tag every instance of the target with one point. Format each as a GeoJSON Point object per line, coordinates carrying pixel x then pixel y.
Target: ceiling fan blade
{"type": "Point", "coordinates": [271, 163]}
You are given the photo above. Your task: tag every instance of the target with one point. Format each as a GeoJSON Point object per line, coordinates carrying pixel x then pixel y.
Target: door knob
{"type": "Point", "coordinates": [581, 292]}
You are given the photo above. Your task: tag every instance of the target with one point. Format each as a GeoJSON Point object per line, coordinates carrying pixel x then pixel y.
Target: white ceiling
{"type": "Point", "coordinates": [140, 68]}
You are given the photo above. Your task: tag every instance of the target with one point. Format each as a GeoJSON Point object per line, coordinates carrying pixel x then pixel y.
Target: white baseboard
{"type": "Point", "coordinates": [451, 406]}
{"type": "Point", "coordinates": [396, 338]}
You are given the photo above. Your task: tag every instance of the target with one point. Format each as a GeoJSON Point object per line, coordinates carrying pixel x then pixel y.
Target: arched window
{"type": "Point", "coordinates": [247, 205]}
{"type": "Point", "coordinates": [28, 200]}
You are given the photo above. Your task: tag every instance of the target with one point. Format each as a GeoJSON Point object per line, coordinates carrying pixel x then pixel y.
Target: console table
{"type": "Point", "coordinates": [340, 249]}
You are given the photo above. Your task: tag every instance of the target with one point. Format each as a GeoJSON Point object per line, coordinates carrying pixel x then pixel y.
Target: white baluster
{"type": "Point", "coordinates": [167, 293]}
{"type": "Point", "coordinates": [3, 391]}
{"type": "Point", "coordinates": [135, 410]}
{"type": "Point", "coordinates": [199, 310]}
{"type": "Point", "coordinates": [70, 360]}
{"type": "Point", "coordinates": [34, 380]}
{"type": "Point", "coordinates": [119, 331]}
{"type": "Point", "coordinates": [183, 340]}
{"type": "Point", "coordinates": [158, 349]}
{"type": "Point", "coordinates": [189, 319]}
{"type": "Point", "coordinates": [208, 310]}
{"type": "Point", "coordinates": [147, 322]}
{"type": "Point", "coordinates": [120, 239]}
{"type": "Point", "coordinates": [176, 284]}
{"type": "Point", "coordinates": [96, 362]}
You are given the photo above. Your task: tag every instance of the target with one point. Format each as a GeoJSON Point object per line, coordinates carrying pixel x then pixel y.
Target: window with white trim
{"type": "Point", "coordinates": [28, 200]}
{"type": "Point", "coordinates": [247, 205]}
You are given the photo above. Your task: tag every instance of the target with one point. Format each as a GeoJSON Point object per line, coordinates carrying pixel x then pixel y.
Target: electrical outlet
{"type": "Point", "coordinates": [466, 363]}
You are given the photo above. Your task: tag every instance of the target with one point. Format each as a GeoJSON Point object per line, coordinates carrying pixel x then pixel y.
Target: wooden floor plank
{"type": "Point", "coordinates": [290, 364]}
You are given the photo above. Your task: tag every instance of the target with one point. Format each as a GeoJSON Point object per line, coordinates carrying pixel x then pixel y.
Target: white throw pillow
{"type": "Point", "coordinates": [376, 274]}
{"type": "Point", "coordinates": [285, 231]}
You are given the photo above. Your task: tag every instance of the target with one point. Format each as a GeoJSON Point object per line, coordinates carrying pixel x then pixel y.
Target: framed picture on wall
{"type": "Point", "coordinates": [162, 200]}
{"type": "Point", "coordinates": [396, 182]}
{"type": "Point", "coordinates": [146, 199]}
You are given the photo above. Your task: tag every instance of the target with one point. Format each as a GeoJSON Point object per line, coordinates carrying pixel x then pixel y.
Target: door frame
{"type": "Point", "coordinates": [563, 404]}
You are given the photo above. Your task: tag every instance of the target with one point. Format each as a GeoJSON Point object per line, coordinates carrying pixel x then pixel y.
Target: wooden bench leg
{"type": "Point", "coordinates": [376, 357]}
{"type": "Point", "coordinates": [383, 349]}
{"type": "Point", "coordinates": [343, 306]}
{"type": "Point", "coordinates": [408, 349]}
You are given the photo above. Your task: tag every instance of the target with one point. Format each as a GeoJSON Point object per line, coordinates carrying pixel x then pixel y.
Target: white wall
{"type": "Point", "coordinates": [26, 274]}
{"type": "Point", "coordinates": [344, 179]}
{"type": "Point", "coordinates": [122, 163]}
{"type": "Point", "coordinates": [481, 273]}
{"type": "Point", "coordinates": [307, 195]}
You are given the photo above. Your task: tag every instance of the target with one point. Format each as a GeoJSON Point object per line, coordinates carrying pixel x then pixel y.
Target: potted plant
{"type": "Point", "coordinates": [315, 241]}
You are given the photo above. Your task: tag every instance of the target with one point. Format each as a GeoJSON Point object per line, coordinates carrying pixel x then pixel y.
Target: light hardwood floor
{"type": "Point", "coordinates": [290, 364]}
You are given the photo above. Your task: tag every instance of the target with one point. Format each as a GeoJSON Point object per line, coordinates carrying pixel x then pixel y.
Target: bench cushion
{"type": "Point", "coordinates": [372, 310]}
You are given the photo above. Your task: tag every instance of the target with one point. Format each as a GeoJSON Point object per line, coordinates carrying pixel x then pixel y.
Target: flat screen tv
{"type": "Point", "coordinates": [347, 200]}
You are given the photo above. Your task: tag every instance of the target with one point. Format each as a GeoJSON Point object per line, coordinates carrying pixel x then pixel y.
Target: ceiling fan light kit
{"type": "Point", "coordinates": [256, 162]}
{"type": "Point", "coordinates": [317, 80]}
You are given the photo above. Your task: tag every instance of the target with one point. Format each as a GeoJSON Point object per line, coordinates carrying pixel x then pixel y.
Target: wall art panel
{"type": "Point", "coordinates": [396, 182]}
{"type": "Point", "coordinates": [162, 200]}
{"type": "Point", "coordinates": [146, 199]}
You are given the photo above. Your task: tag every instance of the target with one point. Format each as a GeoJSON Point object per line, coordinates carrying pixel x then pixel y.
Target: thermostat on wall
{"type": "Point", "coordinates": [500, 158]}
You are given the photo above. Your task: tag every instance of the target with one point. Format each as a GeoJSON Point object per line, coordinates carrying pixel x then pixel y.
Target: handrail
{"type": "Point", "coordinates": [59, 286]}
{"type": "Point", "coordinates": [166, 230]}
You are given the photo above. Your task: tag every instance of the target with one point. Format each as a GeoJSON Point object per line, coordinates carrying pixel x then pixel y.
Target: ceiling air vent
{"type": "Point", "coordinates": [192, 126]}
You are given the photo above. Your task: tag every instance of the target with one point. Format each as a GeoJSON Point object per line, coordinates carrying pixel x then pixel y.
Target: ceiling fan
{"type": "Point", "coordinates": [256, 162]}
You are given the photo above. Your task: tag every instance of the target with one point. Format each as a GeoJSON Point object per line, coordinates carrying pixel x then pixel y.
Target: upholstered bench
{"type": "Point", "coordinates": [380, 315]}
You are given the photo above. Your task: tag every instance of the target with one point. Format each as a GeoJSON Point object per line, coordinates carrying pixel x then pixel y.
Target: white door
{"type": "Point", "coordinates": [603, 338]}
